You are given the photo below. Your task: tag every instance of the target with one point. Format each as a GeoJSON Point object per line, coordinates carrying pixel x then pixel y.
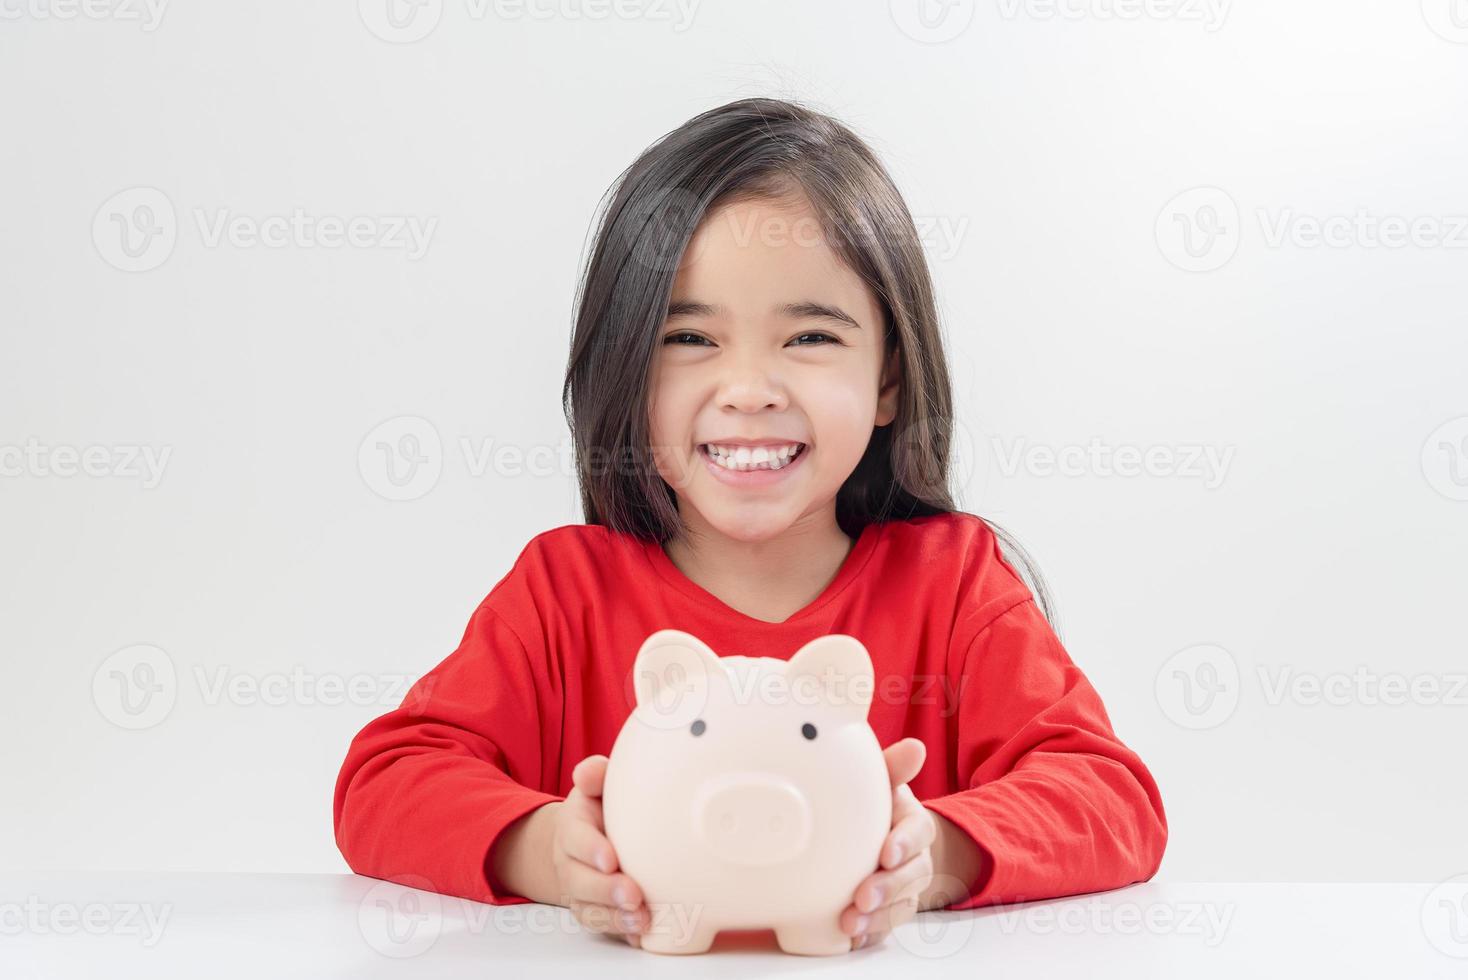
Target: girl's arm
{"type": "Point", "coordinates": [957, 864]}
{"type": "Point", "coordinates": [1055, 803]}
{"type": "Point", "coordinates": [427, 789]}
{"type": "Point", "coordinates": [520, 860]}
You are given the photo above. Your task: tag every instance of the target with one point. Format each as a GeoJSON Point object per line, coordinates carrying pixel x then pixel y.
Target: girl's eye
{"type": "Point", "coordinates": [685, 339]}
{"type": "Point", "coordinates": [822, 336]}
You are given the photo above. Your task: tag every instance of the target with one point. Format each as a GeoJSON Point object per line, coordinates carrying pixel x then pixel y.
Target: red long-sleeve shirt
{"type": "Point", "coordinates": [1021, 754]}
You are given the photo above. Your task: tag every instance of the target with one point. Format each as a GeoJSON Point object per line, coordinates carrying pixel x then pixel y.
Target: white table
{"type": "Point", "coordinates": [268, 927]}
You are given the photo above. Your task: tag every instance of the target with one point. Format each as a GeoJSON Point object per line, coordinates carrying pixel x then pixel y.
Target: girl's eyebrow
{"type": "Point", "coordinates": [804, 308]}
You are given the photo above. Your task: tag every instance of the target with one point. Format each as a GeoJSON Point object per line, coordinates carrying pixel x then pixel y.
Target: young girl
{"type": "Point", "coordinates": [761, 411]}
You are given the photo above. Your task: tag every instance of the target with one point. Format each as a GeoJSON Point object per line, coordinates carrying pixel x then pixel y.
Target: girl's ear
{"type": "Point", "coordinates": [887, 395]}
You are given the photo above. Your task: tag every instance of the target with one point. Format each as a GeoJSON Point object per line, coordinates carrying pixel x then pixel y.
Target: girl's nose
{"type": "Point", "coordinates": [752, 389]}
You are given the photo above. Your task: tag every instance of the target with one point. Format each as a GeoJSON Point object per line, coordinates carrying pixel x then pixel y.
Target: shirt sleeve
{"type": "Point", "coordinates": [427, 789]}
{"type": "Point", "coordinates": [1056, 803]}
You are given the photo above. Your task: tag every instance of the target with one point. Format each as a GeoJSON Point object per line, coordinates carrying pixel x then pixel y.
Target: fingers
{"type": "Point", "coordinates": [590, 775]}
{"type": "Point", "coordinates": [888, 898]}
{"type": "Point", "coordinates": [605, 919]}
{"type": "Point", "coordinates": [585, 884]}
{"type": "Point", "coordinates": [584, 800]}
{"type": "Point", "coordinates": [913, 828]}
{"type": "Point", "coordinates": [885, 887]}
{"type": "Point", "coordinates": [584, 841]}
{"type": "Point", "coordinates": [904, 759]}
{"type": "Point", "coordinates": [601, 901]}
{"type": "Point", "coordinates": [586, 863]}
{"type": "Point", "coordinates": [883, 919]}
{"type": "Point", "coordinates": [879, 888]}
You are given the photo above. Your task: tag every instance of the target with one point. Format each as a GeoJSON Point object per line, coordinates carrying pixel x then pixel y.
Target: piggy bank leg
{"type": "Point", "coordinates": [698, 942]}
{"type": "Point", "coordinates": [815, 937]}
{"type": "Point", "coordinates": [673, 935]}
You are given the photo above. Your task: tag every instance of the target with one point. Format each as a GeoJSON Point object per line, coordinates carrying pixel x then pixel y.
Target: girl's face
{"type": "Point", "coordinates": [770, 343]}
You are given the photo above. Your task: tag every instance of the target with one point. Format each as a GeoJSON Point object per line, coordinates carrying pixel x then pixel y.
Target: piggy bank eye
{"type": "Point", "coordinates": [698, 727]}
{"type": "Point", "coordinates": [808, 730]}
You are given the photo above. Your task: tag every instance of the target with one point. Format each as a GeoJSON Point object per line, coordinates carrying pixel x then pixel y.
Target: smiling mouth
{"type": "Point", "coordinates": [743, 459]}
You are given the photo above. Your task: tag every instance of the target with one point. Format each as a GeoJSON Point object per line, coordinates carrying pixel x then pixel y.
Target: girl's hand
{"type": "Point", "coordinates": [585, 864]}
{"type": "Point", "coordinates": [889, 897]}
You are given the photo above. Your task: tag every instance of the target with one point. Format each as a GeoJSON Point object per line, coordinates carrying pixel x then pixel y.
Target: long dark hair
{"type": "Point", "coordinates": [755, 148]}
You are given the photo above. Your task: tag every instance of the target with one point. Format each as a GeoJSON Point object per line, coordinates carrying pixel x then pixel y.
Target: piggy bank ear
{"type": "Point", "coordinates": [671, 677]}
{"type": "Point", "coordinates": [834, 668]}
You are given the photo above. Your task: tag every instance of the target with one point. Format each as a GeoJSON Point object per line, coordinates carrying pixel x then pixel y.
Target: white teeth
{"type": "Point", "coordinates": [741, 458]}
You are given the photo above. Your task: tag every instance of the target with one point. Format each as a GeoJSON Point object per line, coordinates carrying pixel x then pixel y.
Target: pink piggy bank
{"type": "Point", "coordinates": [748, 792]}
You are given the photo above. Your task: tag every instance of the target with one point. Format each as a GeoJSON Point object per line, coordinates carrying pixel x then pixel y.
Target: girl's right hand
{"type": "Point", "coordinates": [602, 898]}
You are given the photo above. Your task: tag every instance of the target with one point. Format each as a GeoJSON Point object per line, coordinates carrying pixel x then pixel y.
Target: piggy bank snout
{"type": "Point", "coordinates": [752, 818]}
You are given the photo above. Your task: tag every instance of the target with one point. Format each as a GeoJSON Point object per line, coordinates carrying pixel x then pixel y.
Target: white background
{"type": "Point", "coordinates": [1042, 148]}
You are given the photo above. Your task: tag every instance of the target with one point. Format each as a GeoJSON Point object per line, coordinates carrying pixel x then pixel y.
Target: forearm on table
{"type": "Point", "coordinates": [521, 858]}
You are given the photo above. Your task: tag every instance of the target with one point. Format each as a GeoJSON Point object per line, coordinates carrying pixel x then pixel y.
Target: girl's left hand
{"type": "Point", "coordinates": [889, 896]}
